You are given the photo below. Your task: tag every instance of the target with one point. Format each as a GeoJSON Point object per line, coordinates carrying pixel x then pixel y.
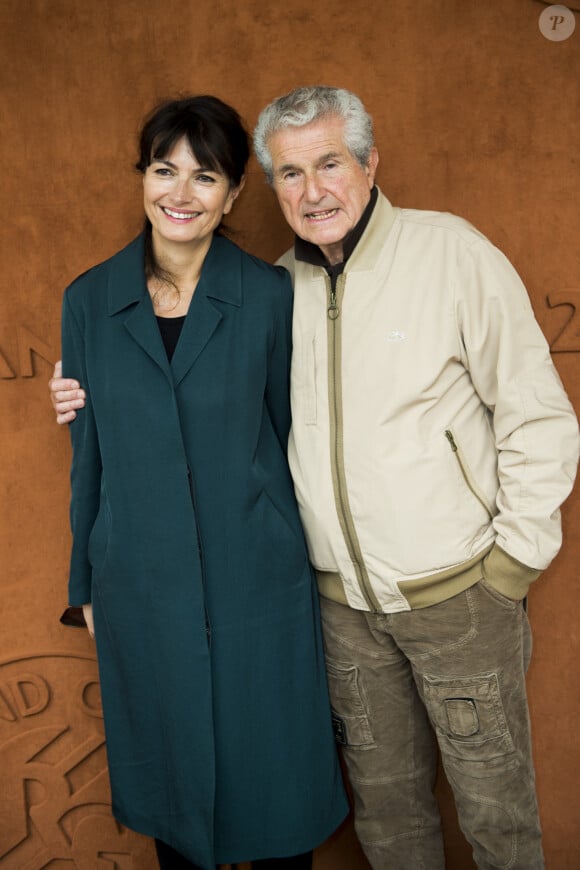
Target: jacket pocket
{"type": "Point", "coordinates": [467, 474]}
{"type": "Point", "coordinates": [304, 399]}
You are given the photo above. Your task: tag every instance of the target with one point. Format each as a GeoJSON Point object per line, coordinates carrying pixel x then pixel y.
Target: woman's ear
{"type": "Point", "coordinates": [233, 195]}
{"type": "Point", "coordinates": [240, 186]}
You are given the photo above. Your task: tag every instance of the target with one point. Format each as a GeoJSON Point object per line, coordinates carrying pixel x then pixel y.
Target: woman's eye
{"type": "Point", "coordinates": [206, 179]}
{"type": "Point", "coordinates": [163, 171]}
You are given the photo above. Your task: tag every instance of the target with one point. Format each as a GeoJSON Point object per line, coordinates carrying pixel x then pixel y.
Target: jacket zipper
{"type": "Point", "coordinates": [337, 452]}
{"type": "Point", "coordinates": [467, 475]}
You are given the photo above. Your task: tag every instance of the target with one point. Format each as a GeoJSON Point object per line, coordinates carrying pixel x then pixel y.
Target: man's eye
{"type": "Point", "coordinates": [330, 165]}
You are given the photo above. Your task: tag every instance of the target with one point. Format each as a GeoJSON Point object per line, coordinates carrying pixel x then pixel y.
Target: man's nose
{"type": "Point", "coordinates": [313, 189]}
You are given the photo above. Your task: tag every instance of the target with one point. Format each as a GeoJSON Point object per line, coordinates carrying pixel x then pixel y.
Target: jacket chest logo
{"type": "Point", "coordinates": [397, 335]}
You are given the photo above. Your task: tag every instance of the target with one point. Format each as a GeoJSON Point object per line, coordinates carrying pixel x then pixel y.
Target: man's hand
{"type": "Point", "coordinates": [66, 395]}
{"type": "Point", "coordinates": [88, 615]}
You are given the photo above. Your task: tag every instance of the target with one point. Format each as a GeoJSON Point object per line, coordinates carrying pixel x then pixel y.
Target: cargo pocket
{"type": "Point", "coordinates": [470, 723]}
{"type": "Point", "coordinates": [350, 717]}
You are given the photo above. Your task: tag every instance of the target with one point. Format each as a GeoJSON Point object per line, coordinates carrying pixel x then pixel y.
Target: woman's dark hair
{"type": "Point", "coordinates": [215, 133]}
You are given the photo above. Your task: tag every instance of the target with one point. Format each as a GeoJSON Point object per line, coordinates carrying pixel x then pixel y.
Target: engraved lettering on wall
{"type": "Point", "coordinates": [54, 768]}
{"type": "Point", "coordinates": [23, 350]}
{"type": "Point", "coordinates": [569, 337]}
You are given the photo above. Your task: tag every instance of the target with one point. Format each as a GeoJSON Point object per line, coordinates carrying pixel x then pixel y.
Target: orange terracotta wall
{"type": "Point", "coordinates": [476, 112]}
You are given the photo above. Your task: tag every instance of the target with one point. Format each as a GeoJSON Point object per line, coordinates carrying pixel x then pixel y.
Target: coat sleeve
{"type": "Point", "coordinates": [86, 460]}
{"type": "Point", "coordinates": [278, 380]}
{"type": "Point", "coordinates": [534, 425]}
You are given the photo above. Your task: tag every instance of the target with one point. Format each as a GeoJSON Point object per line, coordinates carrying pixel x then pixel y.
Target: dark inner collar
{"type": "Point", "coordinates": [309, 253]}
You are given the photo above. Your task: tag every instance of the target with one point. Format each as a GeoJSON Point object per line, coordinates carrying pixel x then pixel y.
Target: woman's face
{"type": "Point", "coordinates": [184, 201]}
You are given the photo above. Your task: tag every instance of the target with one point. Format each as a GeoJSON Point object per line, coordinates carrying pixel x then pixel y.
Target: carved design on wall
{"type": "Point", "coordinates": [575, 7]}
{"type": "Point", "coordinates": [55, 786]}
{"type": "Point", "coordinates": [18, 350]}
{"type": "Point", "coordinates": [569, 337]}
{"type": "Point", "coordinates": [26, 344]}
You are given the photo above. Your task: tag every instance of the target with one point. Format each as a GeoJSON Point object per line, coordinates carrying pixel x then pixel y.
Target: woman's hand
{"type": "Point", "coordinates": [88, 615]}
{"type": "Point", "coordinates": [66, 395]}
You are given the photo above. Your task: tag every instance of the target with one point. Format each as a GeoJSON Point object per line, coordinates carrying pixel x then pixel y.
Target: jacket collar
{"type": "Point", "coordinates": [220, 281]}
{"type": "Point", "coordinates": [369, 246]}
{"type": "Point", "coordinates": [365, 255]}
{"type": "Point", "coordinates": [126, 283]}
{"type": "Point", "coordinates": [221, 276]}
{"type": "Point", "coordinates": [310, 253]}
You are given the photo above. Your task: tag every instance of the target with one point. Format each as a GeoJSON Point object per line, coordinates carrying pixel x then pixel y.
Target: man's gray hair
{"type": "Point", "coordinates": [305, 105]}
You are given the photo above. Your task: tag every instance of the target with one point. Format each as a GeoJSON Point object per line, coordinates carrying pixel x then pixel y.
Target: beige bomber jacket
{"type": "Point", "coordinates": [432, 441]}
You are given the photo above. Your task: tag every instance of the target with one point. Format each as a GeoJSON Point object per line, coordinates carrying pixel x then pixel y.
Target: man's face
{"type": "Point", "coordinates": [321, 187]}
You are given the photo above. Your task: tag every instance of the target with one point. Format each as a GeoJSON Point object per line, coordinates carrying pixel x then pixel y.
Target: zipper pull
{"type": "Point", "coordinates": [333, 310]}
{"type": "Point", "coordinates": [451, 439]}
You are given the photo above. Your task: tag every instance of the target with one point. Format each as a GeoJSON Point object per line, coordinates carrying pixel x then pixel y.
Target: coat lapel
{"type": "Point", "coordinates": [220, 281]}
{"type": "Point", "coordinates": [129, 298]}
{"type": "Point", "coordinates": [142, 326]}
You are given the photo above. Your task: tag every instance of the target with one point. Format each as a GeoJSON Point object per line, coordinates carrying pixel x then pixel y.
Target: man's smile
{"type": "Point", "coordinates": [321, 215]}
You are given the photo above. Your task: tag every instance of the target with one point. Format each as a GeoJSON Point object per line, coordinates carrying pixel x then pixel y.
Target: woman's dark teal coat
{"type": "Point", "coordinates": [186, 538]}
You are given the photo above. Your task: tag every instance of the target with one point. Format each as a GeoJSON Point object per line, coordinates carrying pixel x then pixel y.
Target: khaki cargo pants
{"type": "Point", "coordinates": [455, 670]}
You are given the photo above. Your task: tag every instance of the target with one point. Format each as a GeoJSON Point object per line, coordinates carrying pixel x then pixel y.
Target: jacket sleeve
{"type": "Point", "coordinates": [278, 380]}
{"type": "Point", "coordinates": [534, 425]}
{"type": "Point", "coordinates": [86, 460]}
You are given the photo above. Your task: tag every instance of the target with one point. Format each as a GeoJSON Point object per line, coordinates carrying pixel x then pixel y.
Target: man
{"type": "Point", "coordinates": [431, 448]}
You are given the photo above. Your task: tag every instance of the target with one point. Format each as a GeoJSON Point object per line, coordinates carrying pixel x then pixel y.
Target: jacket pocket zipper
{"type": "Point", "coordinates": [467, 475]}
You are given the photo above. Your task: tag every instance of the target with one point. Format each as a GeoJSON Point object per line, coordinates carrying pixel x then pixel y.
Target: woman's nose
{"type": "Point", "coordinates": [181, 191]}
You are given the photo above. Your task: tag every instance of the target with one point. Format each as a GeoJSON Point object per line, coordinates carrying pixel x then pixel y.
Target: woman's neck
{"type": "Point", "coordinates": [182, 263]}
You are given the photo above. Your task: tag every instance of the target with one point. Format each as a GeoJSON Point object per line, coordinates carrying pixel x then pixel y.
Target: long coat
{"type": "Point", "coordinates": [186, 537]}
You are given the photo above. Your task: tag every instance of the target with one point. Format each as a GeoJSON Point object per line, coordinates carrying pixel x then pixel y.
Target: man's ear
{"type": "Point", "coordinates": [371, 167]}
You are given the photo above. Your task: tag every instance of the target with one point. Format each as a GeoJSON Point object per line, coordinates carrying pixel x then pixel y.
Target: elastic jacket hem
{"type": "Point", "coordinates": [496, 567]}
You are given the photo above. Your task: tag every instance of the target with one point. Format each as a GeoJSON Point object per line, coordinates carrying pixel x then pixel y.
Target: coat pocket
{"type": "Point", "coordinates": [98, 544]}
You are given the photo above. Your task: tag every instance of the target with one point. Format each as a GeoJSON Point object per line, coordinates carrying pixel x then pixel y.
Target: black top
{"type": "Point", "coordinates": [170, 329]}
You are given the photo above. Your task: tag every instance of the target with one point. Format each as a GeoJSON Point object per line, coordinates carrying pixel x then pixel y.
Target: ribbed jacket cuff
{"type": "Point", "coordinates": [510, 577]}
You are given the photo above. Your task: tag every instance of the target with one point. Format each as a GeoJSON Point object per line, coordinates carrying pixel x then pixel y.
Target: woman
{"type": "Point", "coordinates": [187, 547]}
